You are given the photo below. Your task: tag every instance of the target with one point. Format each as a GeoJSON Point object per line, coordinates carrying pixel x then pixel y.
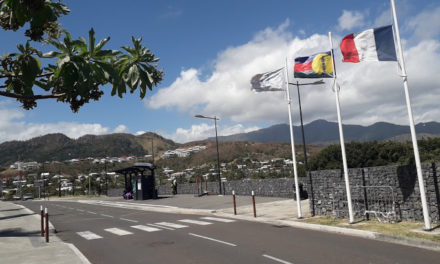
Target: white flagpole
{"type": "Point", "coordinates": [341, 136]}
{"type": "Point", "coordinates": [292, 143]}
{"type": "Point", "coordinates": [411, 124]}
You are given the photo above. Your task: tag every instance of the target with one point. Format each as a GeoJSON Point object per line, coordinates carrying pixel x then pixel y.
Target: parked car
{"type": "Point", "coordinates": [28, 196]}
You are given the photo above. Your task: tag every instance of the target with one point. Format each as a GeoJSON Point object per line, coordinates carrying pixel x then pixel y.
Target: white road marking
{"type": "Point", "coordinates": [107, 215]}
{"type": "Point", "coordinates": [218, 219]}
{"type": "Point", "coordinates": [146, 228]}
{"type": "Point", "coordinates": [129, 220]}
{"type": "Point", "coordinates": [80, 210]}
{"type": "Point", "coordinates": [117, 231]}
{"type": "Point", "coordinates": [189, 221]}
{"type": "Point", "coordinates": [213, 239]}
{"type": "Point", "coordinates": [172, 225]}
{"type": "Point", "coordinates": [168, 228]}
{"type": "Point", "coordinates": [91, 212]}
{"type": "Point", "coordinates": [89, 235]}
{"type": "Point", "coordinates": [277, 259]}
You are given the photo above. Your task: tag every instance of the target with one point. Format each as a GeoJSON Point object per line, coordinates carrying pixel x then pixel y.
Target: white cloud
{"type": "Point", "coordinates": [371, 91]}
{"type": "Point", "coordinates": [351, 19]}
{"type": "Point", "coordinates": [204, 131]}
{"type": "Point", "coordinates": [426, 25]}
{"type": "Point", "coordinates": [138, 133]}
{"type": "Point", "coordinates": [12, 126]}
{"type": "Point", "coordinates": [121, 129]}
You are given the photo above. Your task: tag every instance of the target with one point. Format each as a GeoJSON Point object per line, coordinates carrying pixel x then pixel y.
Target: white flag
{"type": "Point", "coordinates": [269, 81]}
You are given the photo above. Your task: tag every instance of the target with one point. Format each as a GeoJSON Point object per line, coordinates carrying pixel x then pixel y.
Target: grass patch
{"type": "Point", "coordinates": [401, 229]}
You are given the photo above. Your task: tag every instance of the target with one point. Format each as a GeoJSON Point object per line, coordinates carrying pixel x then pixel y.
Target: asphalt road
{"type": "Point", "coordinates": [116, 235]}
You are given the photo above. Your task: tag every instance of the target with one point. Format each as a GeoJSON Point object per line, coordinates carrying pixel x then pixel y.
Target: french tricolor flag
{"type": "Point", "coordinates": [375, 44]}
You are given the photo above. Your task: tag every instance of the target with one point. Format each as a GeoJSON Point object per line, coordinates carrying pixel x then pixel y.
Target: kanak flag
{"type": "Point", "coordinates": [315, 66]}
{"type": "Point", "coordinates": [375, 44]}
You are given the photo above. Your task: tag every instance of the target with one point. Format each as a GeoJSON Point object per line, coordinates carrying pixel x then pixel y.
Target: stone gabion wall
{"type": "Point", "coordinates": [387, 186]}
{"type": "Point", "coordinates": [278, 187]}
{"type": "Point", "coordinates": [378, 186]}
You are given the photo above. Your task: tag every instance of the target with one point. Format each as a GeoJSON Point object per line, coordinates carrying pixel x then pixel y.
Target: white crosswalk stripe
{"type": "Point", "coordinates": [119, 232]}
{"type": "Point", "coordinates": [172, 225]}
{"type": "Point", "coordinates": [89, 235]}
{"type": "Point", "coordinates": [218, 219]}
{"type": "Point", "coordinates": [196, 222]}
{"type": "Point", "coordinates": [146, 228]}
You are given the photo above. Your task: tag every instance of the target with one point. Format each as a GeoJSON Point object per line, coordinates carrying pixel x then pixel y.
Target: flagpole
{"type": "Point", "coordinates": [341, 135]}
{"type": "Point", "coordinates": [411, 124]}
{"type": "Point", "coordinates": [312, 198]}
{"type": "Point", "coordinates": [292, 143]}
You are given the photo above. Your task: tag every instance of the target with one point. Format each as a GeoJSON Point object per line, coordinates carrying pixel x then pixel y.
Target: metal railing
{"type": "Point", "coordinates": [367, 200]}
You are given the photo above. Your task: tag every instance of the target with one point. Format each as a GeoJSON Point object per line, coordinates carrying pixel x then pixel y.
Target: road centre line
{"type": "Point", "coordinates": [90, 212]}
{"type": "Point", "coordinates": [107, 215]}
{"type": "Point", "coordinates": [80, 210]}
{"type": "Point", "coordinates": [213, 239]}
{"type": "Point", "coordinates": [277, 259]}
{"type": "Point", "coordinates": [129, 220]}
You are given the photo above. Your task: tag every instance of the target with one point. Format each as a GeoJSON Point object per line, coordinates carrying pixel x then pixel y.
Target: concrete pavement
{"type": "Point", "coordinates": [21, 242]}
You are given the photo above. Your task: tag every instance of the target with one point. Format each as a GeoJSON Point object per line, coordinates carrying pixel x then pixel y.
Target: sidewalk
{"type": "Point", "coordinates": [21, 242]}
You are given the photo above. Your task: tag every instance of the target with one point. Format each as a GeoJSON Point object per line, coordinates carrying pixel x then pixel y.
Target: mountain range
{"type": "Point", "coordinates": [59, 147]}
{"type": "Point", "coordinates": [321, 132]}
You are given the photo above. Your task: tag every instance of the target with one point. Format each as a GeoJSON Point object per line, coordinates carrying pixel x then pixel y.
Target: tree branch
{"type": "Point", "coordinates": [31, 97]}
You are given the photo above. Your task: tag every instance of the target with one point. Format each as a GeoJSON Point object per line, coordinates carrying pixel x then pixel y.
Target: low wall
{"type": "Point", "coordinates": [277, 187]}
{"type": "Point", "coordinates": [377, 185]}
{"type": "Point", "coordinates": [393, 187]}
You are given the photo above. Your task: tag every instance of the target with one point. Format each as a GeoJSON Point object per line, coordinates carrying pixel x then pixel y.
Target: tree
{"type": "Point", "coordinates": [76, 70]}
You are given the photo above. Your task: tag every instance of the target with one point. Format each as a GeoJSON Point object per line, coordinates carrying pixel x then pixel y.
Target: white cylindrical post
{"type": "Point", "coordinates": [411, 125]}
{"type": "Point", "coordinates": [292, 143]}
{"type": "Point", "coordinates": [341, 137]}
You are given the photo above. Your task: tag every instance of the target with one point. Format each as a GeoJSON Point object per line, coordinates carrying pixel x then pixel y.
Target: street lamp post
{"type": "Point", "coordinates": [218, 156]}
{"type": "Point", "coordinates": [304, 141]}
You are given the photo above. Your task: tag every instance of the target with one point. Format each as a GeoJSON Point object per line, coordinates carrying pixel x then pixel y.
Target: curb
{"type": "Point", "coordinates": [419, 243]}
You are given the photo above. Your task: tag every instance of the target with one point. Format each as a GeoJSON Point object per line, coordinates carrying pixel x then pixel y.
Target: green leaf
{"type": "Point", "coordinates": [133, 76]}
{"type": "Point", "coordinates": [91, 42]}
{"type": "Point", "coordinates": [51, 54]}
{"type": "Point", "coordinates": [101, 44]}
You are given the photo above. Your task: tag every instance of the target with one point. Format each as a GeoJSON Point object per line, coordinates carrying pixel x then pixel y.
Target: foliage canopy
{"type": "Point", "coordinates": [77, 69]}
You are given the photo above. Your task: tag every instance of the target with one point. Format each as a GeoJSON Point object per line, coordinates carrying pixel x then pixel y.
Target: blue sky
{"type": "Point", "coordinates": [209, 50]}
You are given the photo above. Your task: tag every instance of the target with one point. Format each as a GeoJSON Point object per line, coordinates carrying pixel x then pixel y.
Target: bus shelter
{"type": "Point", "coordinates": [140, 181]}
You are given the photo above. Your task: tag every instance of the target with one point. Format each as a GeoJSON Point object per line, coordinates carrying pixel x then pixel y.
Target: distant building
{"type": "Point", "coordinates": [182, 153]}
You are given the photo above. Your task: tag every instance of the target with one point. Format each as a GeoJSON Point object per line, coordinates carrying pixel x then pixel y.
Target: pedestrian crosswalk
{"type": "Point", "coordinates": [154, 227]}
